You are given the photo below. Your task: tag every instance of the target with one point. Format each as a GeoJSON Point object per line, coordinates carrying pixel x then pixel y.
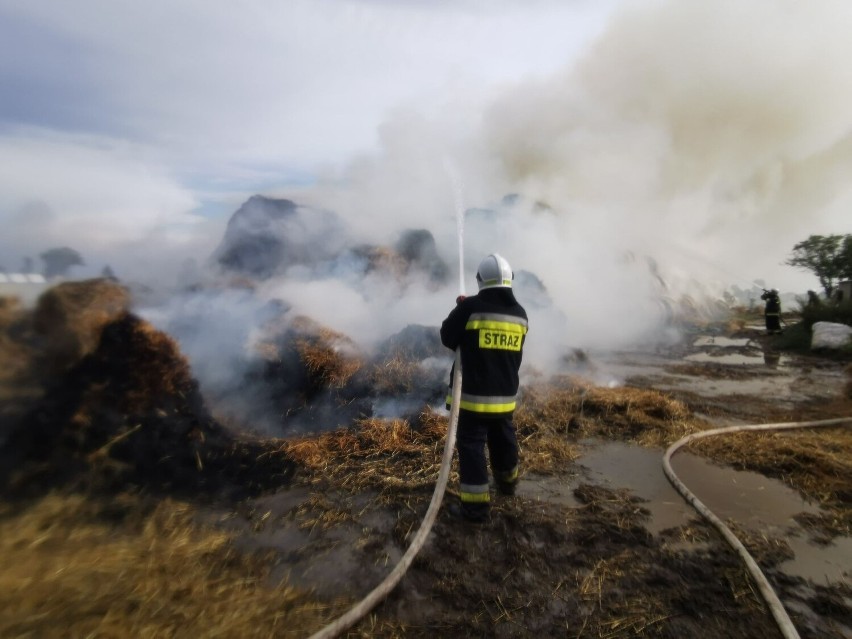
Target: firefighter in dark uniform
{"type": "Point", "coordinates": [772, 311]}
{"type": "Point", "coordinates": [490, 329]}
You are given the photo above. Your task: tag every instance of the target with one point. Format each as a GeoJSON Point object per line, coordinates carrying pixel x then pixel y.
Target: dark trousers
{"type": "Point", "coordinates": [473, 434]}
{"type": "Point", "coordinates": [773, 322]}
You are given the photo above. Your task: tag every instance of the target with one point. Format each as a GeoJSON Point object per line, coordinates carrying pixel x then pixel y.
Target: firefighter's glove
{"type": "Point", "coordinates": [460, 299]}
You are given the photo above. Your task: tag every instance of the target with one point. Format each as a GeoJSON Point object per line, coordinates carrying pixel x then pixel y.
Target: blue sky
{"type": "Point", "coordinates": [726, 124]}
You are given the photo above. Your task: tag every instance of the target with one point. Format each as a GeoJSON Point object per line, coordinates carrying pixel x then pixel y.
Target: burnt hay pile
{"type": "Point", "coordinates": [117, 405]}
{"type": "Point", "coordinates": [310, 376]}
{"type": "Point", "coordinates": [120, 407]}
{"type": "Point", "coordinates": [314, 379]}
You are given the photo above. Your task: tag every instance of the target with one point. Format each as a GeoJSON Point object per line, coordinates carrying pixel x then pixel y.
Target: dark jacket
{"type": "Point", "coordinates": [490, 328]}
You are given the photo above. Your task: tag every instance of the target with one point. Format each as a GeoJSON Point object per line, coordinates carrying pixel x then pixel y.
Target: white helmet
{"type": "Point", "coordinates": [494, 271]}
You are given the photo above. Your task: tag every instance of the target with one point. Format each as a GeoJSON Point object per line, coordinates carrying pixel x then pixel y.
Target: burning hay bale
{"type": "Point", "coordinates": [417, 247]}
{"type": "Point", "coordinates": [376, 259]}
{"type": "Point", "coordinates": [394, 376]}
{"type": "Point", "coordinates": [317, 379]}
{"type": "Point", "coordinates": [330, 358]}
{"type": "Point", "coordinates": [311, 376]}
{"type": "Point", "coordinates": [414, 342]}
{"type": "Point", "coordinates": [71, 316]}
{"type": "Point", "coordinates": [411, 363]}
{"type": "Point", "coordinates": [130, 412]}
{"type": "Point", "coordinates": [265, 236]}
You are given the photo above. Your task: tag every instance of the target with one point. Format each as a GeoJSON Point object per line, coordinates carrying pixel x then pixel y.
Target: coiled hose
{"type": "Point", "coordinates": [781, 618]}
{"type": "Point", "coordinates": [358, 611]}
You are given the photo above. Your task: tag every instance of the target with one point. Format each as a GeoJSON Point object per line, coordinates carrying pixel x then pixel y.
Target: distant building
{"type": "Point", "coordinates": [25, 286]}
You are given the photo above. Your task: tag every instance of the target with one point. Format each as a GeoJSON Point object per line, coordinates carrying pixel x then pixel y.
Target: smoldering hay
{"type": "Point", "coordinates": [685, 152]}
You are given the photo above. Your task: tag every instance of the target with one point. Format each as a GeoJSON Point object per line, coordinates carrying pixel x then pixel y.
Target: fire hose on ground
{"type": "Point", "coordinates": [785, 625]}
{"type": "Point", "coordinates": [358, 611]}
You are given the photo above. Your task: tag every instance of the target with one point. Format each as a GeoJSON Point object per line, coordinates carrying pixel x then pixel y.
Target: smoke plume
{"type": "Point", "coordinates": [685, 152]}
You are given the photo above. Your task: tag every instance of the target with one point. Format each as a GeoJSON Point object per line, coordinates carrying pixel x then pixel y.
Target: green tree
{"type": "Point", "coordinates": [829, 257]}
{"type": "Point", "coordinates": [57, 261]}
{"type": "Point", "coordinates": [846, 258]}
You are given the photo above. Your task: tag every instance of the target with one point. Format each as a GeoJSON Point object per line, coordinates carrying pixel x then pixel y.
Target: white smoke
{"type": "Point", "coordinates": [687, 150]}
{"type": "Point", "coordinates": [708, 139]}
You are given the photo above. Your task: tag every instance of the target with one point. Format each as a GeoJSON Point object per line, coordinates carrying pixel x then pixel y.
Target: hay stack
{"type": "Point", "coordinates": [71, 316]}
{"type": "Point", "coordinates": [130, 413]}
{"type": "Point", "coordinates": [330, 358]}
{"type": "Point", "coordinates": [398, 368]}
{"type": "Point", "coordinates": [14, 354]}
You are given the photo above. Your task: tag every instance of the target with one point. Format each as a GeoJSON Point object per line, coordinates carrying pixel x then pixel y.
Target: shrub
{"type": "Point", "coordinates": [827, 312]}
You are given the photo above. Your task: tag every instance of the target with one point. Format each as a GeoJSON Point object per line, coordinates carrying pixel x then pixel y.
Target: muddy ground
{"type": "Point", "coordinates": [233, 536]}
{"type": "Point", "coordinates": [596, 544]}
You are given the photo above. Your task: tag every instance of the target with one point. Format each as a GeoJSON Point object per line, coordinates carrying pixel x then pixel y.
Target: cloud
{"type": "Point", "coordinates": [110, 201]}
{"type": "Point", "coordinates": [293, 83]}
{"type": "Point", "coordinates": [132, 195]}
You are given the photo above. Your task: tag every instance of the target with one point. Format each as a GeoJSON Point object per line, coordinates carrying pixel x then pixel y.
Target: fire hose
{"type": "Point", "coordinates": [358, 611]}
{"type": "Point", "coordinates": [785, 625]}
{"type": "Point", "coordinates": [374, 597]}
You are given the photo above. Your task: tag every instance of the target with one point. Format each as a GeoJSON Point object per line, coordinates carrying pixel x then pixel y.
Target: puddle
{"type": "Point", "coordinates": [640, 470]}
{"type": "Point", "coordinates": [766, 505]}
{"type": "Point", "coordinates": [754, 501]}
{"type": "Point", "coordinates": [737, 359]}
{"type": "Point", "coordinates": [711, 340]}
{"type": "Point", "coordinates": [554, 490]}
{"type": "Point", "coordinates": [821, 564]}
{"type": "Point", "coordinates": [751, 499]}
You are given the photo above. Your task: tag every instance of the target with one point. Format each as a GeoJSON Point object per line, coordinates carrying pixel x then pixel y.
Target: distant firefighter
{"type": "Point", "coordinates": [813, 299]}
{"type": "Point", "coordinates": [772, 312]}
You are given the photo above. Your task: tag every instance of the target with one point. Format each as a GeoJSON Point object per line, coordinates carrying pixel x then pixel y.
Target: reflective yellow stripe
{"type": "Point", "coordinates": [498, 317]}
{"type": "Point", "coordinates": [510, 475]}
{"type": "Point", "coordinates": [485, 404]}
{"type": "Point", "coordinates": [478, 407]}
{"type": "Point", "coordinates": [475, 498]}
{"type": "Point", "coordinates": [509, 327]}
{"type": "Point", "coordinates": [495, 282]}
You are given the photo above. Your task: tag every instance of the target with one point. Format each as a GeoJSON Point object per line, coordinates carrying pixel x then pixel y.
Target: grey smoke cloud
{"type": "Point", "coordinates": [708, 139]}
{"type": "Point", "coordinates": [703, 139]}
{"type": "Point", "coordinates": [728, 126]}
